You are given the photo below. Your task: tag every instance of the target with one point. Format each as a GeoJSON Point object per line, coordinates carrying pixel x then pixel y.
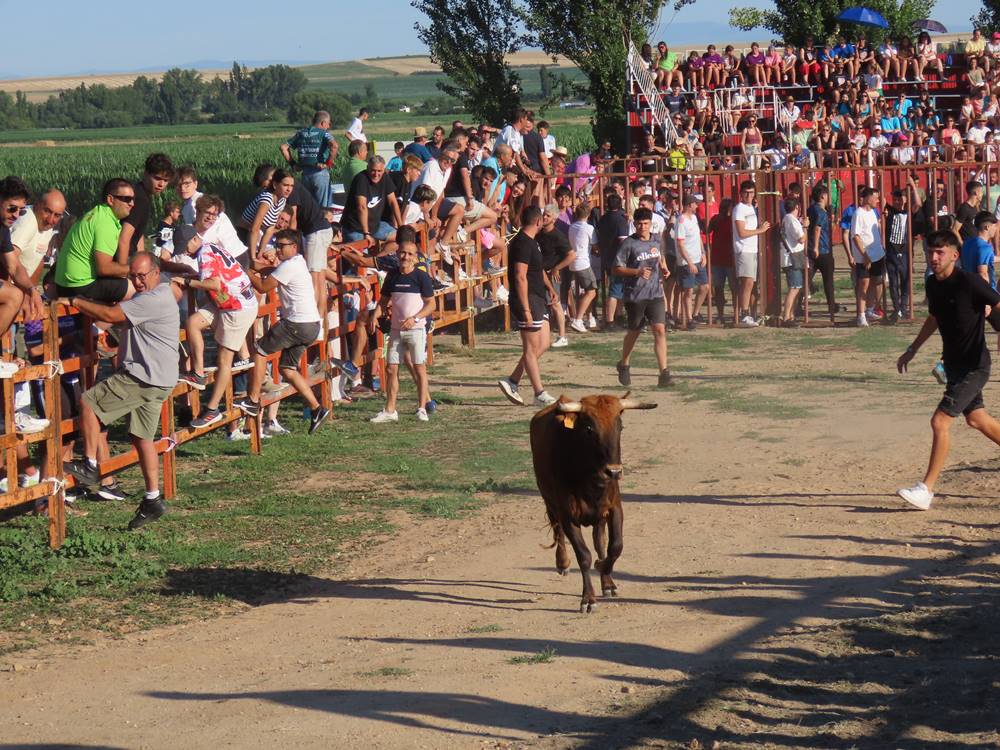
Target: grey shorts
{"type": "Point", "coordinates": [315, 250]}
{"type": "Point", "coordinates": [291, 339]}
{"type": "Point", "coordinates": [123, 394]}
{"type": "Point", "coordinates": [585, 279]}
{"type": "Point", "coordinates": [640, 312]}
{"type": "Point", "coordinates": [964, 392]}
{"type": "Point", "coordinates": [412, 342]}
{"type": "Point", "coordinates": [746, 265]}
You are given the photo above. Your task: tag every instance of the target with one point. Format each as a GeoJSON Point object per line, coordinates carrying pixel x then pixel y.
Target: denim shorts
{"type": "Point", "coordinates": [795, 278]}
{"type": "Point", "coordinates": [383, 232]}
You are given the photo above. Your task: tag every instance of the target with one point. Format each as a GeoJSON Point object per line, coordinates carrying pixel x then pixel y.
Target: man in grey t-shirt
{"type": "Point", "coordinates": [150, 323]}
{"type": "Point", "coordinates": [639, 261]}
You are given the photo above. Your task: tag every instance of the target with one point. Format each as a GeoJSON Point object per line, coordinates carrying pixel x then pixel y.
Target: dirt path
{"type": "Point", "coordinates": [754, 547]}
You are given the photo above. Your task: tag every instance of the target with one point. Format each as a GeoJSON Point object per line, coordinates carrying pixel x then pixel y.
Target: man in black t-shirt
{"type": "Point", "coordinates": [556, 257]}
{"type": "Point", "coordinates": [958, 302]}
{"type": "Point", "coordinates": [368, 198]}
{"type": "Point", "coordinates": [965, 216]}
{"type": "Point", "coordinates": [156, 175]}
{"type": "Point", "coordinates": [612, 229]}
{"type": "Point", "coordinates": [528, 307]}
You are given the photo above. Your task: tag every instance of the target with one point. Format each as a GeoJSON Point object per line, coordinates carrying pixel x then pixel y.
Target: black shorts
{"type": "Point", "coordinates": [106, 289]}
{"type": "Point", "coordinates": [291, 339]}
{"type": "Point", "coordinates": [536, 316]}
{"type": "Point", "coordinates": [671, 262]}
{"type": "Point", "coordinates": [445, 208]}
{"type": "Point", "coordinates": [994, 319]}
{"type": "Point", "coordinates": [643, 310]}
{"type": "Point", "coordinates": [964, 392]}
{"type": "Point", "coordinates": [876, 271]}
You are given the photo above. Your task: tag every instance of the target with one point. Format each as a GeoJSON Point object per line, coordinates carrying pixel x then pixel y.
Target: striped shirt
{"type": "Point", "coordinates": [274, 208]}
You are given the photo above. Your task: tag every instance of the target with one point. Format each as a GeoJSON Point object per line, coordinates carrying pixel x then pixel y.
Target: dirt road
{"type": "Point", "coordinates": [774, 594]}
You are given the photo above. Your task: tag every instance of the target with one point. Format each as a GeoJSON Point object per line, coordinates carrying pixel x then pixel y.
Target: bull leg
{"type": "Point", "coordinates": [562, 551]}
{"type": "Point", "coordinates": [588, 601]}
{"type": "Point", "coordinates": [600, 541]}
{"type": "Point", "coordinates": [615, 545]}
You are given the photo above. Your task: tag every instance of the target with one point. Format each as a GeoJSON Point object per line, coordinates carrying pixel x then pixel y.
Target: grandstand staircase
{"type": "Point", "coordinates": [646, 109]}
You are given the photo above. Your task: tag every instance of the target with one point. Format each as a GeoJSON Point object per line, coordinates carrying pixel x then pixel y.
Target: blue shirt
{"type": "Point", "coordinates": [420, 150]}
{"type": "Point", "coordinates": [493, 164]}
{"type": "Point", "coordinates": [312, 146]}
{"type": "Point", "coordinates": [844, 50]}
{"type": "Point", "coordinates": [978, 252]}
{"type": "Point", "coordinates": [819, 219]}
{"type": "Point", "coordinates": [395, 164]}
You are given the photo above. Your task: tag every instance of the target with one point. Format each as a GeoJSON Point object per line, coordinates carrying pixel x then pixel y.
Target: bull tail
{"type": "Point", "coordinates": [556, 528]}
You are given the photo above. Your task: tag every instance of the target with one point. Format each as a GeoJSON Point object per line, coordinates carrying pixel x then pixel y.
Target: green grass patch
{"type": "Point", "coordinates": [387, 672]}
{"type": "Point", "coordinates": [738, 400]}
{"type": "Point", "coordinates": [483, 629]}
{"type": "Point", "coordinates": [545, 656]}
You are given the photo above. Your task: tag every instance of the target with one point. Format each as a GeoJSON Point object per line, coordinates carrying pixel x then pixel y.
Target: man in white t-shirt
{"type": "Point", "coordinates": [659, 223]}
{"type": "Point", "coordinates": [867, 256]}
{"type": "Point", "coordinates": [298, 327]}
{"type": "Point", "coordinates": [582, 240]}
{"type": "Point", "coordinates": [435, 174]}
{"type": "Point", "coordinates": [691, 273]}
{"type": "Point", "coordinates": [513, 135]}
{"type": "Point", "coordinates": [222, 232]}
{"type": "Point", "coordinates": [746, 230]}
{"type": "Point", "coordinates": [355, 131]}
{"type": "Point", "coordinates": [33, 231]}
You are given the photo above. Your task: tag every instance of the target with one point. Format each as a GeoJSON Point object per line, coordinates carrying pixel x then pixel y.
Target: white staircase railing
{"type": "Point", "coordinates": [639, 73]}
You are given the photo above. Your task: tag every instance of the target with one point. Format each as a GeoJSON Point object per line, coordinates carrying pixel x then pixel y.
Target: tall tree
{"type": "Point", "coordinates": [989, 17]}
{"type": "Point", "coordinates": [470, 41]}
{"type": "Point", "coordinates": [793, 20]}
{"type": "Point", "coordinates": [595, 35]}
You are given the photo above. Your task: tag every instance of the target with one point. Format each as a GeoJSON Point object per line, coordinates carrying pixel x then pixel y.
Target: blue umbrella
{"type": "Point", "coordinates": [863, 16]}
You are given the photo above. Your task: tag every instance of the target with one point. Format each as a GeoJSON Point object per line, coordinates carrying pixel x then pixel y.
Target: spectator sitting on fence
{"type": "Point", "coordinates": [408, 290]}
{"type": "Point", "coordinates": [256, 226]}
{"type": "Point", "coordinates": [369, 197]}
{"type": "Point", "coordinates": [458, 189]}
{"type": "Point", "coordinates": [156, 175]}
{"type": "Point", "coordinates": [221, 232]}
{"type": "Point", "coordinates": [146, 377]}
{"type": "Point", "coordinates": [298, 327]}
{"type": "Point", "coordinates": [395, 164]}
{"type": "Point", "coordinates": [16, 286]}
{"type": "Point", "coordinates": [436, 174]}
{"type": "Point", "coordinates": [34, 232]}
{"type": "Point", "coordinates": [316, 151]}
{"type": "Point", "coordinates": [86, 265]}
{"type": "Point", "coordinates": [309, 219]}
{"type": "Point", "coordinates": [231, 311]}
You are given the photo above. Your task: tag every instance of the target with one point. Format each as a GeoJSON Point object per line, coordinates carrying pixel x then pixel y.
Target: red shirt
{"type": "Point", "coordinates": [722, 242]}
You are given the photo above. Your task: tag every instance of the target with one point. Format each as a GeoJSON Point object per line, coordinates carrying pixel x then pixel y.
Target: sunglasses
{"type": "Point", "coordinates": [124, 198]}
{"type": "Point", "coordinates": [13, 209]}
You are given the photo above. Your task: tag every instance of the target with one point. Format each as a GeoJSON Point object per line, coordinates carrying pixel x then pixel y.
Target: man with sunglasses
{"type": "Point", "coordinates": [145, 379]}
{"type": "Point", "coordinates": [16, 285]}
{"type": "Point", "coordinates": [436, 173]}
{"type": "Point", "coordinates": [86, 265]}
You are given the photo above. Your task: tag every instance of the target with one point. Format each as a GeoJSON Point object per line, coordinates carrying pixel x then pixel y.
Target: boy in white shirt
{"type": "Point", "coordinates": [582, 242]}
{"type": "Point", "coordinates": [691, 273]}
{"type": "Point", "coordinates": [867, 256]}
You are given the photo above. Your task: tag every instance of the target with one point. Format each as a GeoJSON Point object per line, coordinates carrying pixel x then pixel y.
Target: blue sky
{"type": "Point", "coordinates": [72, 38]}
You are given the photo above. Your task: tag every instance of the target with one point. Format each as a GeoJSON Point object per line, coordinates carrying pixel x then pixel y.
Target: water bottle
{"type": "Point", "coordinates": [376, 383]}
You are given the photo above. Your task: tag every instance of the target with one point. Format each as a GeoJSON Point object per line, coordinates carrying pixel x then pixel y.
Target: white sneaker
{"type": "Point", "coordinates": [7, 369]}
{"type": "Point", "coordinates": [591, 322]}
{"type": "Point", "coordinates": [918, 496]}
{"type": "Point", "coordinates": [509, 388]}
{"type": "Point", "coordinates": [26, 424]}
{"type": "Point", "coordinates": [275, 428]}
{"type": "Point", "coordinates": [578, 326]}
{"type": "Point", "coordinates": [502, 295]}
{"type": "Point", "coordinates": [27, 480]}
{"type": "Point", "coordinates": [863, 321]}
{"type": "Point", "coordinates": [237, 436]}
{"type": "Point", "coordinates": [873, 315]}
{"type": "Point", "coordinates": [544, 399]}
{"type": "Point", "coordinates": [385, 416]}
{"type": "Point", "coordinates": [560, 342]}
{"type": "Point", "coordinates": [462, 275]}
{"type": "Point", "coordinates": [422, 415]}
{"type": "Point", "coordinates": [748, 322]}
{"type": "Point", "coordinates": [445, 253]}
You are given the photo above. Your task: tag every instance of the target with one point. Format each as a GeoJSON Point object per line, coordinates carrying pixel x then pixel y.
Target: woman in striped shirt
{"type": "Point", "coordinates": [256, 225]}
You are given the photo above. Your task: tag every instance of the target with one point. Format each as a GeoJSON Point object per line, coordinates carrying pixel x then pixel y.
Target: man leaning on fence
{"type": "Point", "coordinates": [146, 377]}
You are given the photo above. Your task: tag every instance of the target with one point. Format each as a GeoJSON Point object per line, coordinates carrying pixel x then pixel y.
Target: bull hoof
{"type": "Point", "coordinates": [613, 591]}
{"type": "Point", "coordinates": [563, 571]}
{"type": "Point", "coordinates": [588, 607]}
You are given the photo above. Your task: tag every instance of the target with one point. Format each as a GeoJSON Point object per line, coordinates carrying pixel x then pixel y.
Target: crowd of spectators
{"type": "Point", "coordinates": [841, 104]}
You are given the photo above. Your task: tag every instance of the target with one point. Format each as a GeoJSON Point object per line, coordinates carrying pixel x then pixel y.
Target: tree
{"type": "Point", "coordinates": [595, 35]}
{"type": "Point", "coordinates": [989, 17]}
{"type": "Point", "coordinates": [178, 96]}
{"type": "Point", "coordinates": [793, 20]}
{"type": "Point", "coordinates": [470, 41]}
{"type": "Point", "coordinates": [307, 103]}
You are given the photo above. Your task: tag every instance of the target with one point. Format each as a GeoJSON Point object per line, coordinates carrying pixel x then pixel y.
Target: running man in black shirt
{"type": "Point", "coordinates": [958, 302]}
{"type": "Point", "coordinates": [529, 308]}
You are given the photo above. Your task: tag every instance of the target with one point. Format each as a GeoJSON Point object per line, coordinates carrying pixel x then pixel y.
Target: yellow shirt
{"type": "Point", "coordinates": [975, 47]}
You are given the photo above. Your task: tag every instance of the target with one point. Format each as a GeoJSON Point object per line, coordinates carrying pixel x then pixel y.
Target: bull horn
{"type": "Point", "coordinates": [631, 403]}
{"type": "Point", "coordinates": [570, 407]}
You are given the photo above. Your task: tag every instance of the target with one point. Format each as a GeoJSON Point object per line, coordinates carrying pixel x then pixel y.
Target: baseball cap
{"type": "Point", "coordinates": [691, 198]}
{"type": "Point", "coordinates": [183, 234]}
{"type": "Point", "coordinates": [996, 34]}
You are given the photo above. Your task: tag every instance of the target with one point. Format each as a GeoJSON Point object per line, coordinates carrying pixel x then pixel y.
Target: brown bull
{"type": "Point", "coordinates": [576, 451]}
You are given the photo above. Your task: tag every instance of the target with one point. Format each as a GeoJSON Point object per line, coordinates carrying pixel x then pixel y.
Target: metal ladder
{"type": "Point", "coordinates": [639, 74]}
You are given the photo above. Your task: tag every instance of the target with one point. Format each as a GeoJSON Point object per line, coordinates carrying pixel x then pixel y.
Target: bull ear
{"type": "Point", "coordinates": [631, 403]}
{"type": "Point", "coordinates": [568, 420]}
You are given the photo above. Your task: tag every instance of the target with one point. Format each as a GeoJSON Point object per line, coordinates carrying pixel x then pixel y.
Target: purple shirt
{"type": "Point", "coordinates": [753, 59]}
